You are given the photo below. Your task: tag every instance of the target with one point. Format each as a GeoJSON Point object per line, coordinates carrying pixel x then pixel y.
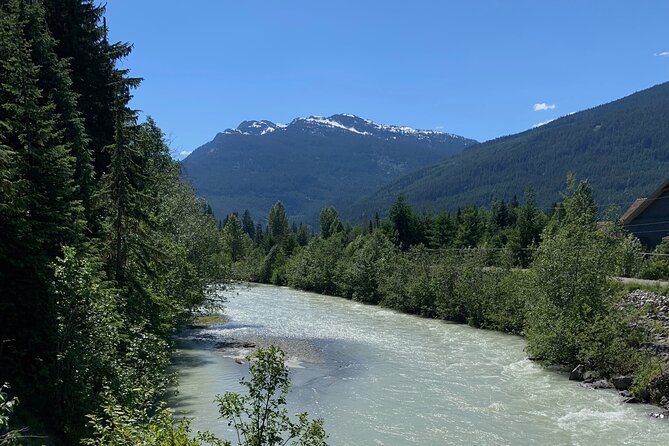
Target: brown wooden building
{"type": "Point", "coordinates": [648, 218]}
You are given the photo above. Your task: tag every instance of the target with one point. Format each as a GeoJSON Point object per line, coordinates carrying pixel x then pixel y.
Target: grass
{"type": "Point", "coordinates": [652, 288]}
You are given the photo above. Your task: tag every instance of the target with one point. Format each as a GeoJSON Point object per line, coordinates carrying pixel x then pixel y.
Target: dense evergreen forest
{"type": "Point", "coordinates": [103, 251]}
{"type": "Point", "coordinates": [512, 268]}
{"type": "Point", "coordinates": [621, 148]}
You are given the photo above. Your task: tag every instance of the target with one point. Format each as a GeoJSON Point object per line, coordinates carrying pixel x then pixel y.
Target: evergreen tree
{"type": "Point", "coordinates": [237, 243]}
{"type": "Point", "coordinates": [39, 132]}
{"type": "Point", "coordinates": [247, 224]}
{"type": "Point", "coordinates": [80, 31]}
{"type": "Point", "coordinates": [123, 196]}
{"type": "Point", "coordinates": [330, 223]}
{"type": "Point", "coordinates": [470, 230]}
{"type": "Point", "coordinates": [530, 222]}
{"type": "Point", "coordinates": [500, 214]}
{"type": "Point", "coordinates": [403, 222]}
{"type": "Point", "coordinates": [442, 231]}
{"type": "Point", "coordinates": [302, 235]}
{"type": "Point", "coordinates": [258, 235]}
{"type": "Point", "coordinates": [278, 222]}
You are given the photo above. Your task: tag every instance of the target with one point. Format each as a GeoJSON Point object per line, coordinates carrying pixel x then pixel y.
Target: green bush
{"type": "Point", "coordinates": [362, 268]}
{"type": "Point", "coordinates": [574, 319]}
{"type": "Point", "coordinates": [260, 417]}
{"type": "Point", "coordinates": [656, 268]}
{"type": "Point", "coordinates": [8, 437]}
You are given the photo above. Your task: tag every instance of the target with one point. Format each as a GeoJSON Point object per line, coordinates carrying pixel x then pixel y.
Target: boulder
{"type": "Point", "coordinates": [599, 384]}
{"type": "Point", "coordinates": [577, 373]}
{"type": "Point", "coordinates": [588, 377]}
{"type": "Point", "coordinates": [622, 382]}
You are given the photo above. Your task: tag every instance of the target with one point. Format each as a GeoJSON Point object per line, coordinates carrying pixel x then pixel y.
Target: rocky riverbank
{"type": "Point", "coordinates": [654, 320]}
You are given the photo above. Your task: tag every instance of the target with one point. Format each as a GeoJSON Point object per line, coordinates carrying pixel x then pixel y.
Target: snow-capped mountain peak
{"type": "Point", "coordinates": [342, 122]}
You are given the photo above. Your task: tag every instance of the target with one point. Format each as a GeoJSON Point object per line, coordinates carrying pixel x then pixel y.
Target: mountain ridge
{"type": "Point", "coordinates": [309, 163]}
{"type": "Point", "coordinates": [621, 147]}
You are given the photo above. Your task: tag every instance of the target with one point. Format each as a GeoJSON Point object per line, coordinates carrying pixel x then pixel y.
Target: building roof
{"type": "Point", "coordinates": [640, 204]}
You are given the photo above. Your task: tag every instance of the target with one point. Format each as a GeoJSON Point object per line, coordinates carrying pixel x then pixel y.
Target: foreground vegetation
{"type": "Point", "coordinates": [259, 417]}
{"type": "Point", "coordinates": [513, 269]}
{"type": "Point", "coordinates": [103, 251]}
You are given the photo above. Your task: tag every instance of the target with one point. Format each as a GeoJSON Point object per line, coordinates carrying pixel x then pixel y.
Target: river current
{"type": "Point", "coordinates": [379, 377]}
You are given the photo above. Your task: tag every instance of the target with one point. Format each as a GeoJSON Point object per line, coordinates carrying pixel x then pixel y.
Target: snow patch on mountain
{"type": "Point", "coordinates": [329, 122]}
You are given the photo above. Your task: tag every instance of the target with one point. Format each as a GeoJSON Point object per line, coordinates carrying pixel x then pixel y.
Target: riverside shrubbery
{"type": "Point", "coordinates": [565, 302]}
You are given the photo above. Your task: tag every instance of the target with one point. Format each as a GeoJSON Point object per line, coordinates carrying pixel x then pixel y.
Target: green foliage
{"type": "Point", "coordinates": [123, 426]}
{"type": "Point", "coordinates": [404, 225]}
{"type": "Point", "coordinates": [278, 222]}
{"type": "Point", "coordinates": [273, 268]}
{"type": "Point", "coordinates": [237, 243]}
{"type": "Point", "coordinates": [260, 417]}
{"type": "Point", "coordinates": [655, 269]}
{"type": "Point", "coordinates": [509, 308]}
{"type": "Point", "coordinates": [575, 318]}
{"type": "Point", "coordinates": [8, 436]}
{"type": "Point", "coordinates": [104, 271]}
{"type": "Point", "coordinates": [649, 370]}
{"type": "Point", "coordinates": [407, 282]}
{"type": "Point", "coordinates": [330, 223]}
{"type": "Point", "coordinates": [657, 266]}
{"type": "Point", "coordinates": [313, 267]}
{"type": "Point", "coordinates": [362, 267]}
{"type": "Point", "coordinates": [88, 334]}
{"type": "Point", "coordinates": [627, 253]}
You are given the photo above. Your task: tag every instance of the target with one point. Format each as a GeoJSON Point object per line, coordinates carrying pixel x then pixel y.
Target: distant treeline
{"type": "Point", "coordinates": [511, 268]}
{"type": "Point", "coordinates": [103, 251]}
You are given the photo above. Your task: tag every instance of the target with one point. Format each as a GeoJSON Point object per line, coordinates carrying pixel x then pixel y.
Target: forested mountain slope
{"type": "Point", "coordinates": [621, 148]}
{"type": "Point", "coordinates": [309, 164]}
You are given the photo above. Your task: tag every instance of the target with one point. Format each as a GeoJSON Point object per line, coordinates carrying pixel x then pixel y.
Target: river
{"type": "Point", "coordinates": [379, 377]}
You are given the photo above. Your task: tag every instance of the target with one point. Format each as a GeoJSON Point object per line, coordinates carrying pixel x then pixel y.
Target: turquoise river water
{"type": "Point", "coordinates": [379, 377]}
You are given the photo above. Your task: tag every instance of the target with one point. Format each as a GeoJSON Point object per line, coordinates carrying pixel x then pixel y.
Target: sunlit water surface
{"type": "Point", "coordinates": [378, 377]}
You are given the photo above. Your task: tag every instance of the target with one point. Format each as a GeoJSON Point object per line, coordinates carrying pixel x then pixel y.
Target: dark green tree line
{"type": "Point", "coordinates": [103, 251]}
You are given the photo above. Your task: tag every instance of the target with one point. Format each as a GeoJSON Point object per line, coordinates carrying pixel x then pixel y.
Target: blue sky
{"type": "Point", "coordinates": [472, 67]}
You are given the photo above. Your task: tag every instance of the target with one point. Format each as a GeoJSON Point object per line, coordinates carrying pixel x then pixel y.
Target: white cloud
{"type": "Point", "coordinates": [662, 54]}
{"type": "Point", "coordinates": [542, 123]}
{"type": "Point", "coordinates": [542, 106]}
{"type": "Point", "coordinates": [439, 127]}
{"type": "Point", "coordinates": [185, 152]}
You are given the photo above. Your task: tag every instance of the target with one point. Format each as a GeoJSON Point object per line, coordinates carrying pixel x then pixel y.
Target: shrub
{"type": "Point", "coordinates": [260, 417]}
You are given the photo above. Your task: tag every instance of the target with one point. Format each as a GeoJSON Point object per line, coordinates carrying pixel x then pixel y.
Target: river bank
{"type": "Point", "coordinates": [654, 320]}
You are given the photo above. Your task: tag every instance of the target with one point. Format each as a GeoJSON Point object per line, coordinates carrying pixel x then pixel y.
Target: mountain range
{"type": "Point", "coordinates": [309, 163]}
{"type": "Point", "coordinates": [360, 167]}
{"type": "Point", "coordinates": [621, 148]}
